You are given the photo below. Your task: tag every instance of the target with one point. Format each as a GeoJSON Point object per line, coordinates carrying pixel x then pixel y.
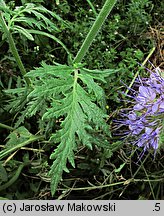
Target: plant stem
{"type": "Point", "coordinates": [13, 48]}
{"type": "Point", "coordinates": [9, 150]}
{"type": "Point", "coordinates": [13, 179]}
{"type": "Point", "coordinates": [134, 78]}
{"type": "Point", "coordinates": [109, 4]}
{"type": "Point", "coordinates": [6, 127]}
{"type": "Point", "coordinates": [94, 187]}
{"type": "Point", "coordinates": [127, 182]}
{"type": "Point", "coordinates": [92, 7]}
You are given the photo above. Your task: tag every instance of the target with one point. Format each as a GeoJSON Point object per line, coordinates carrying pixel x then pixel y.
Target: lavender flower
{"type": "Point", "coordinates": [145, 119]}
{"type": "Point", "coordinates": [145, 98]}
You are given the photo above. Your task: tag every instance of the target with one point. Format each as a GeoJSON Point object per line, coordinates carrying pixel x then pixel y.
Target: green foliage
{"type": "Point", "coordinates": [3, 174]}
{"type": "Point", "coordinates": [137, 15]}
{"type": "Point", "coordinates": [30, 19]}
{"type": "Point", "coordinates": [74, 95]}
{"type": "Point", "coordinates": [120, 31]}
{"type": "Point", "coordinates": [17, 139]}
{"type": "Point", "coordinates": [161, 139]}
{"type": "Point", "coordinates": [19, 16]}
{"type": "Point", "coordinates": [71, 106]}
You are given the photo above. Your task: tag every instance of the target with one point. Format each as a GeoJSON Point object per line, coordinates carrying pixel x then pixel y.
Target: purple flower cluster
{"type": "Point", "coordinates": [145, 119]}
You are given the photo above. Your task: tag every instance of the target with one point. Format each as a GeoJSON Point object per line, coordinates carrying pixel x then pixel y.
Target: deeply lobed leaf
{"type": "Point", "coordinates": [71, 94]}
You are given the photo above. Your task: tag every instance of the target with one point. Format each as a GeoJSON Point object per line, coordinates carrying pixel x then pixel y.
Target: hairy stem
{"type": "Point", "coordinates": [13, 48]}
{"type": "Point", "coordinates": [109, 4]}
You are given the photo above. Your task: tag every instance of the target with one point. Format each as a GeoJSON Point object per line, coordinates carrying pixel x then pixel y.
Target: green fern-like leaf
{"type": "Point", "coordinates": [31, 19]}
{"type": "Point", "coordinates": [74, 95]}
{"type": "Point", "coordinates": [18, 99]}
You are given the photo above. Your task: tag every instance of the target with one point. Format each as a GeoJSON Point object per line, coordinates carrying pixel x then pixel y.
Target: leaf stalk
{"type": "Point", "coordinates": [13, 48]}
{"type": "Point", "coordinates": [109, 4]}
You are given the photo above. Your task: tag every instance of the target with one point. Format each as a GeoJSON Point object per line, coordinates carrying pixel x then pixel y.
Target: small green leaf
{"type": "Point", "coordinates": [49, 36]}
{"type": "Point", "coordinates": [120, 168]}
{"type": "Point", "coordinates": [99, 74]}
{"type": "Point", "coordinates": [23, 31]}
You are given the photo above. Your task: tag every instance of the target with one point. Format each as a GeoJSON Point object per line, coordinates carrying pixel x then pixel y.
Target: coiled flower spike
{"type": "Point", "coordinates": [145, 120]}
